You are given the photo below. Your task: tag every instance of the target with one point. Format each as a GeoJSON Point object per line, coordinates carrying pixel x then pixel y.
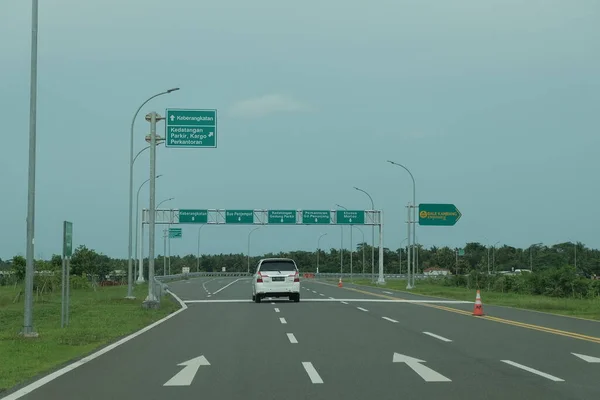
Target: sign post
{"type": "Point", "coordinates": [191, 128]}
{"type": "Point", "coordinates": [66, 265]}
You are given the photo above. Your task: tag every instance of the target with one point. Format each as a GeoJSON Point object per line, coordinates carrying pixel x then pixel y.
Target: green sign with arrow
{"type": "Point", "coordinates": [438, 214]}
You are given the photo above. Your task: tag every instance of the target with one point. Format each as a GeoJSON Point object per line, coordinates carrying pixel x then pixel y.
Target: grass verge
{"type": "Point", "coordinates": [574, 307]}
{"type": "Point", "coordinates": [97, 317]}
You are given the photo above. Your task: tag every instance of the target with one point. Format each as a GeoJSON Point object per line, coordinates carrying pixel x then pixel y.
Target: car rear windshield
{"type": "Point", "coordinates": [277, 266]}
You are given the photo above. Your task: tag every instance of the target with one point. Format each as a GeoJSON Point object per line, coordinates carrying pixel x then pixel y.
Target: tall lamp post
{"type": "Point", "coordinates": [342, 247]}
{"type": "Point", "coordinates": [248, 255]}
{"type": "Point", "coordinates": [30, 262]}
{"type": "Point", "coordinates": [494, 256]}
{"type": "Point", "coordinates": [319, 249]}
{"type": "Point", "coordinates": [372, 235]}
{"type": "Point", "coordinates": [414, 228]}
{"type": "Point", "coordinates": [137, 207]}
{"type": "Point", "coordinates": [167, 237]}
{"type": "Point", "coordinates": [131, 161]}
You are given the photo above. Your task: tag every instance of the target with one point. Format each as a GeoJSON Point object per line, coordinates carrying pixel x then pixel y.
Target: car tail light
{"type": "Point", "coordinates": [259, 279]}
{"type": "Point", "coordinates": [297, 277]}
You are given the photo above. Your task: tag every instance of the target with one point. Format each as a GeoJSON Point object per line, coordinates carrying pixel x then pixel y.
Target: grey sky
{"type": "Point", "coordinates": [492, 104]}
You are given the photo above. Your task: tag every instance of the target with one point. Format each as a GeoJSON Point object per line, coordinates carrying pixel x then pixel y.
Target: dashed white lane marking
{"type": "Point", "coordinates": [312, 372]}
{"type": "Point", "coordinates": [276, 309]}
{"type": "Point", "coordinates": [437, 336]}
{"type": "Point", "coordinates": [533, 371]}
{"type": "Point", "coordinates": [292, 338]}
{"type": "Point", "coordinates": [362, 309]}
{"type": "Point", "coordinates": [387, 292]}
{"type": "Point", "coordinates": [343, 302]}
{"type": "Point", "coordinates": [321, 294]}
{"type": "Point", "coordinates": [332, 298]}
{"type": "Point", "coordinates": [282, 320]}
{"type": "Point", "coordinates": [389, 319]}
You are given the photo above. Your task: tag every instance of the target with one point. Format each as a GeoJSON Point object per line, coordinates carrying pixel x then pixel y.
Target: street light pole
{"type": "Point", "coordinates": [372, 235]}
{"type": "Point", "coordinates": [131, 161]}
{"type": "Point", "coordinates": [319, 249]}
{"type": "Point", "coordinates": [248, 254]}
{"type": "Point", "coordinates": [198, 252]}
{"type": "Point", "coordinates": [342, 247]}
{"type": "Point", "coordinates": [30, 262]}
{"type": "Point", "coordinates": [137, 208]}
{"type": "Point", "coordinates": [414, 217]}
{"type": "Point", "coordinates": [167, 237]}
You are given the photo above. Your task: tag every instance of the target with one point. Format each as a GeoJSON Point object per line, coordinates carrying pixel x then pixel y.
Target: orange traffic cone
{"type": "Point", "coordinates": [340, 282]}
{"type": "Point", "coordinates": [478, 310]}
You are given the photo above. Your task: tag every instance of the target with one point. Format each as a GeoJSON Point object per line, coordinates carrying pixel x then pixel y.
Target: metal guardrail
{"type": "Point", "coordinates": [328, 275]}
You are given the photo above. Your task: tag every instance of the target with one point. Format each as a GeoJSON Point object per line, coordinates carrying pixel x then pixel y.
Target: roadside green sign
{"type": "Point", "coordinates": [282, 216]}
{"type": "Point", "coordinates": [193, 216]}
{"type": "Point", "coordinates": [461, 252]}
{"type": "Point", "coordinates": [316, 217]}
{"type": "Point", "coordinates": [175, 233]}
{"type": "Point", "coordinates": [239, 216]}
{"type": "Point", "coordinates": [350, 217]}
{"type": "Point", "coordinates": [438, 214]}
{"type": "Point", "coordinates": [67, 239]}
{"type": "Point", "coordinates": [190, 128]}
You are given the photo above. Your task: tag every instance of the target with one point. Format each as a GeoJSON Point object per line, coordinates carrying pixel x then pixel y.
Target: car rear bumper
{"type": "Point", "coordinates": [277, 290]}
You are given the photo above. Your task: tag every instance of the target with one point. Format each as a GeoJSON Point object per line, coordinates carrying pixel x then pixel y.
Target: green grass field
{"type": "Point", "coordinates": [583, 308]}
{"type": "Point", "coordinates": [96, 319]}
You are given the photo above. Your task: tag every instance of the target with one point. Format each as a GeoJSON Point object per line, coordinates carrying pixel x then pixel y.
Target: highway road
{"type": "Point", "coordinates": [339, 343]}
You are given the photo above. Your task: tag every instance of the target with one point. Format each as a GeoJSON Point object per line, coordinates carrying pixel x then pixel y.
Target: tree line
{"type": "Point", "coordinates": [473, 263]}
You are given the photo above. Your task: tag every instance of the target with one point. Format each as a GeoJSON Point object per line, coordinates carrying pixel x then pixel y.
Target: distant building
{"type": "Point", "coordinates": [435, 271]}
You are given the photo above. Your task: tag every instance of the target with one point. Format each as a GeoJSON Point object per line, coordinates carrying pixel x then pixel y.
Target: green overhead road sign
{"type": "Point", "coordinates": [239, 216]}
{"type": "Point", "coordinates": [175, 233]}
{"type": "Point", "coordinates": [67, 239]}
{"type": "Point", "coordinates": [350, 217]}
{"type": "Point", "coordinates": [193, 216]}
{"type": "Point", "coordinates": [316, 217]}
{"type": "Point", "coordinates": [282, 217]}
{"type": "Point", "coordinates": [438, 214]}
{"type": "Point", "coordinates": [190, 128]}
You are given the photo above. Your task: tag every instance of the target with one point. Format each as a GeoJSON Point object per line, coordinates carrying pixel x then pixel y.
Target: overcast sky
{"type": "Point", "coordinates": [493, 105]}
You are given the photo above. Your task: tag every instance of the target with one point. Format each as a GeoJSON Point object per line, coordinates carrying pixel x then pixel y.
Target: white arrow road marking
{"type": "Point", "coordinates": [416, 365]}
{"type": "Point", "coordinates": [437, 336]}
{"type": "Point", "coordinates": [292, 338]}
{"type": "Point", "coordinates": [312, 372]}
{"type": "Point", "coordinates": [589, 359]}
{"type": "Point", "coordinates": [389, 319]}
{"type": "Point", "coordinates": [533, 371]}
{"type": "Point", "coordinates": [187, 374]}
{"type": "Point", "coordinates": [282, 320]}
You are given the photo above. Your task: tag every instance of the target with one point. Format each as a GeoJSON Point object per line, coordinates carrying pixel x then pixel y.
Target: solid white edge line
{"type": "Point", "coordinates": [437, 336]}
{"type": "Point", "coordinates": [312, 372]}
{"type": "Point", "coordinates": [50, 377]}
{"type": "Point", "coordinates": [533, 371]}
{"type": "Point", "coordinates": [362, 309]}
{"type": "Point", "coordinates": [292, 338]}
{"type": "Point", "coordinates": [389, 319]}
{"type": "Point", "coordinates": [282, 320]}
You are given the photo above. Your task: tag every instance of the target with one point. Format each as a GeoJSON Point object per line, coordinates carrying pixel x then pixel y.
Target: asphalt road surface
{"type": "Point", "coordinates": [340, 343]}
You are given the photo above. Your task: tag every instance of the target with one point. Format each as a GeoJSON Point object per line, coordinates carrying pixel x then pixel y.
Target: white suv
{"type": "Point", "coordinates": [276, 277]}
